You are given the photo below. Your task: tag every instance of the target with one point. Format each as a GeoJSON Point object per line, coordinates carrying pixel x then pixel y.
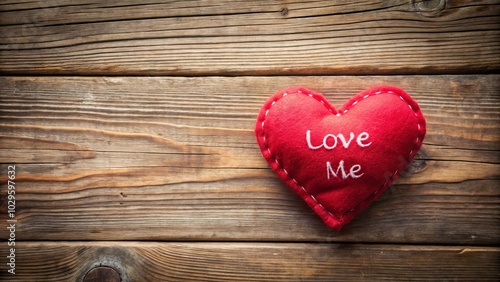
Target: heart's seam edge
{"type": "Point", "coordinates": [421, 127]}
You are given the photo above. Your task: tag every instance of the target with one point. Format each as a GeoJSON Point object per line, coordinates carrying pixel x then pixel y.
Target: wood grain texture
{"type": "Point", "coordinates": [172, 158]}
{"type": "Point", "coordinates": [143, 261]}
{"type": "Point", "coordinates": [249, 37]}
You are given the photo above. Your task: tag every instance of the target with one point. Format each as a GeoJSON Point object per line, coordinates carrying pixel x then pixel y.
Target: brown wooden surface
{"type": "Point", "coordinates": [176, 159]}
{"type": "Point", "coordinates": [147, 261]}
{"type": "Point", "coordinates": [160, 178]}
{"type": "Point", "coordinates": [249, 37]}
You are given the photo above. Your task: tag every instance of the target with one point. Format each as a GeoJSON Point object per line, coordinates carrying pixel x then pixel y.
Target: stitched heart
{"type": "Point", "coordinates": [339, 161]}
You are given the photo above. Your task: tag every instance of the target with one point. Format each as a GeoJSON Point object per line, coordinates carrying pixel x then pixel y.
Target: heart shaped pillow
{"type": "Point", "coordinates": [339, 161]}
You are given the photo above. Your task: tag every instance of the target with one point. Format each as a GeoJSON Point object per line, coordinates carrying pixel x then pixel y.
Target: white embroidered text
{"type": "Point", "coordinates": [330, 142]}
{"type": "Point", "coordinates": [330, 145]}
{"type": "Point", "coordinates": [352, 172]}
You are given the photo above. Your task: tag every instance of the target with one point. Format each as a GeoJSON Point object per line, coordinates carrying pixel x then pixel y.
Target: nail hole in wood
{"type": "Point", "coordinates": [102, 274]}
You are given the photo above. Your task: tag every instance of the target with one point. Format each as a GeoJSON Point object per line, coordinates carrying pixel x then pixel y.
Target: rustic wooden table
{"type": "Point", "coordinates": [128, 128]}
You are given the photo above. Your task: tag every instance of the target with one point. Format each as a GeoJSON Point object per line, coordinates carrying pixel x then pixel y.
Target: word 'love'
{"type": "Point", "coordinates": [330, 142]}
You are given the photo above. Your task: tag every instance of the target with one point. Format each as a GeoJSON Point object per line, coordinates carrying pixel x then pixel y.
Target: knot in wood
{"type": "Point", "coordinates": [284, 11]}
{"type": "Point", "coordinates": [430, 8]}
{"type": "Point", "coordinates": [102, 274]}
{"type": "Point", "coordinates": [418, 164]}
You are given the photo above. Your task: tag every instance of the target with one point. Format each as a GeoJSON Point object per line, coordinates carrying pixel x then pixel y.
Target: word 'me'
{"type": "Point", "coordinates": [330, 142]}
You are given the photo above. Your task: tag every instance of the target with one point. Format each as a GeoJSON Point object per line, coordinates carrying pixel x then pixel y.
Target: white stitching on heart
{"type": "Point", "coordinates": [338, 114]}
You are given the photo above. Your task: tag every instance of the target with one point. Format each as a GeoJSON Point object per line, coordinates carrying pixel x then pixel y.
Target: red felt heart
{"type": "Point", "coordinates": [339, 161]}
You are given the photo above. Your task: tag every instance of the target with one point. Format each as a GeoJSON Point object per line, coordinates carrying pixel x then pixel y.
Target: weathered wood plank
{"type": "Point", "coordinates": [167, 158]}
{"type": "Point", "coordinates": [249, 37]}
{"type": "Point", "coordinates": [144, 261]}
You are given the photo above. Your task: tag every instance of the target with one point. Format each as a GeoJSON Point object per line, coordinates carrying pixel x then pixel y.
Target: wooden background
{"type": "Point", "coordinates": [130, 124]}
